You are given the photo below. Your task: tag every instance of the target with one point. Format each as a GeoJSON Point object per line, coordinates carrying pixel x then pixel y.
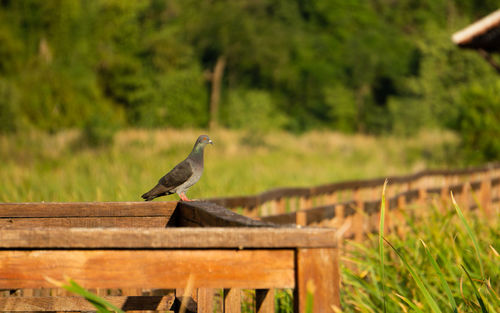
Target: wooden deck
{"type": "Point", "coordinates": [156, 246]}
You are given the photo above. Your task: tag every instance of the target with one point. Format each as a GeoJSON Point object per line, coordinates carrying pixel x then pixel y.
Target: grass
{"type": "Point", "coordinates": [43, 167]}
{"type": "Point", "coordinates": [441, 264]}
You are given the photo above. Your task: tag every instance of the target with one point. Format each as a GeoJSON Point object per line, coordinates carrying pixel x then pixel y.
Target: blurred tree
{"type": "Point", "coordinates": [355, 66]}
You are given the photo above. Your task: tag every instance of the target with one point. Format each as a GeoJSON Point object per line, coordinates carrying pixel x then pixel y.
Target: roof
{"type": "Point", "coordinates": [483, 34]}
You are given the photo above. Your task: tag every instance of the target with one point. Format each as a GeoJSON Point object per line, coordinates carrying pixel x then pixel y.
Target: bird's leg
{"type": "Point", "coordinates": [184, 197]}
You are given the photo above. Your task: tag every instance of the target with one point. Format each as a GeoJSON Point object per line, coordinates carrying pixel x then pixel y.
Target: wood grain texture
{"type": "Point", "coordinates": [232, 301]}
{"type": "Point", "coordinates": [319, 269]}
{"type": "Point", "coordinates": [87, 209]}
{"type": "Point", "coordinates": [206, 300]}
{"type": "Point", "coordinates": [213, 237]}
{"type": "Point", "coordinates": [66, 304]}
{"type": "Point", "coordinates": [149, 269]}
{"type": "Point", "coordinates": [89, 222]}
{"type": "Point", "coordinates": [264, 300]}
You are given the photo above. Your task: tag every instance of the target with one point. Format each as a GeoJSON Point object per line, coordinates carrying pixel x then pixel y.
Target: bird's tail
{"type": "Point", "coordinates": [156, 192]}
{"type": "Point", "coordinates": [148, 196]}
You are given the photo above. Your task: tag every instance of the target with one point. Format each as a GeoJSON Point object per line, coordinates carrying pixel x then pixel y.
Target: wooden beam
{"type": "Point", "coordinates": [203, 214]}
{"type": "Point", "coordinates": [87, 209]}
{"type": "Point", "coordinates": [72, 303]}
{"type": "Point", "coordinates": [88, 222]}
{"type": "Point", "coordinates": [149, 269]}
{"type": "Point", "coordinates": [157, 238]}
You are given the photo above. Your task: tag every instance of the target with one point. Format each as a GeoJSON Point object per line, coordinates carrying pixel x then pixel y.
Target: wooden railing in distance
{"type": "Point", "coordinates": [353, 206]}
{"type": "Point", "coordinates": [154, 255]}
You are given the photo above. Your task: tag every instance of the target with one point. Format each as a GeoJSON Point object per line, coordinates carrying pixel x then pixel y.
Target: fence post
{"type": "Point", "coordinates": [422, 191]}
{"type": "Point", "coordinates": [318, 274]}
{"type": "Point", "coordinates": [465, 196]}
{"type": "Point", "coordinates": [359, 215]}
{"type": "Point", "coordinates": [304, 202]}
{"type": "Point", "coordinates": [301, 218]}
{"type": "Point", "coordinates": [485, 190]}
{"type": "Point", "coordinates": [281, 205]}
{"type": "Point", "coordinates": [445, 194]}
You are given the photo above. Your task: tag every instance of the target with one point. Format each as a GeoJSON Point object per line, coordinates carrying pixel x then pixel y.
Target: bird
{"type": "Point", "coordinates": [183, 175]}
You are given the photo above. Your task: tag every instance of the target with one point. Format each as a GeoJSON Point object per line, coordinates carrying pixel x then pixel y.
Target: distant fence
{"type": "Point", "coordinates": [353, 206]}
{"type": "Point", "coordinates": [158, 255]}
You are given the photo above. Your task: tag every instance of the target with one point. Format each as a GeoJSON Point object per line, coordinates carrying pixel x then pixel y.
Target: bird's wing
{"type": "Point", "coordinates": [177, 176]}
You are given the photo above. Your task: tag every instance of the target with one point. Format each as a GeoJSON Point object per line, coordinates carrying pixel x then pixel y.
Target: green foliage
{"type": "Point", "coordinates": [479, 122]}
{"type": "Point", "coordinates": [357, 66]}
{"type": "Point", "coordinates": [99, 130]}
{"type": "Point", "coordinates": [253, 110]}
{"type": "Point", "coordinates": [9, 117]}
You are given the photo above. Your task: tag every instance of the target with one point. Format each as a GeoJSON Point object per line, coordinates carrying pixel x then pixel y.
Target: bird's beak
{"type": "Point", "coordinates": [210, 141]}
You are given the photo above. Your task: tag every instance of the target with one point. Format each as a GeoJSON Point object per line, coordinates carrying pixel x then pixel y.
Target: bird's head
{"type": "Point", "coordinates": [203, 140]}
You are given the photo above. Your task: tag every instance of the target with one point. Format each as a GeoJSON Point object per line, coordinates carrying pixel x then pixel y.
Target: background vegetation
{"type": "Point", "coordinates": [373, 67]}
{"type": "Point", "coordinates": [60, 167]}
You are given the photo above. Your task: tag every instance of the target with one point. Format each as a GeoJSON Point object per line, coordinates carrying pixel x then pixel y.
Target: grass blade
{"type": "Point", "coordinates": [420, 284]}
{"type": "Point", "coordinates": [381, 242]}
{"type": "Point", "coordinates": [99, 303]}
{"type": "Point", "coordinates": [410, 304]}
{"type": "Point", "coordinates": [478, 296]}
{"type": "Point", "coordinates": [445, 285]}
{"type": "Point", "coordinates": [471, 234]}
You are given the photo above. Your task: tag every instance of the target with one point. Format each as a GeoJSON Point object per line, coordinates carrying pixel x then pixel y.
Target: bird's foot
{"type": "Point", "coordinates": [184, 197]}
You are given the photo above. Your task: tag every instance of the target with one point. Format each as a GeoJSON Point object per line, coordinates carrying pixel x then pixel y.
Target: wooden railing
{"type": "Point", "coordinates": [353, 206]}
{"type": "Point", "coordinates": [158, 255]}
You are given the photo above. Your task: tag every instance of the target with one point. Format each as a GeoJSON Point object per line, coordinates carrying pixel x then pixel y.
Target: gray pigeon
{"type": "Point", "coordinates": [183, 175]}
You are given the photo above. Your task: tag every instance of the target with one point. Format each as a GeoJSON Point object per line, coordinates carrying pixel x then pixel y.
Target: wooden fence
{"type": "Point", "coordinates": [353, 206]}
{"type": "Point", "coordinates": [179, 252]}
{"type": "Point", "coordinates": [193, 248]}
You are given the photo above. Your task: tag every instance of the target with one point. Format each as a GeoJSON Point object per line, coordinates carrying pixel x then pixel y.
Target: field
{"type": "Point", "coordinates": [58, 167]}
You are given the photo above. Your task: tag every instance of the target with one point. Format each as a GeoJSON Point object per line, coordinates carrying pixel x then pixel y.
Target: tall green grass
{"type": "Point", "coordinates": [442, 264]}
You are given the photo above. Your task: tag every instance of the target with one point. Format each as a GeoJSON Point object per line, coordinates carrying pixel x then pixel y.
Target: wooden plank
{"type": "Point", "coordinates": [149, 269]}
{"type": "Point", "coordinates": [203, 214]}
{"type": "Point", "coordinates": [122, 221]}
{"type": "Point", "coordinates": [206, 300]}
{"type": "Point", "coordinates": [87, 209]}
{"type": "Point", "coordinates": [264, 300]}
{"type": "Point", "coordinates": [72, 303]}
{"type": "Point", "coordinates": [318, 271]}
{"type": "Point", "coordinates": [239, 237]}
{"type": "Point", "coordinates": [232, 301]}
